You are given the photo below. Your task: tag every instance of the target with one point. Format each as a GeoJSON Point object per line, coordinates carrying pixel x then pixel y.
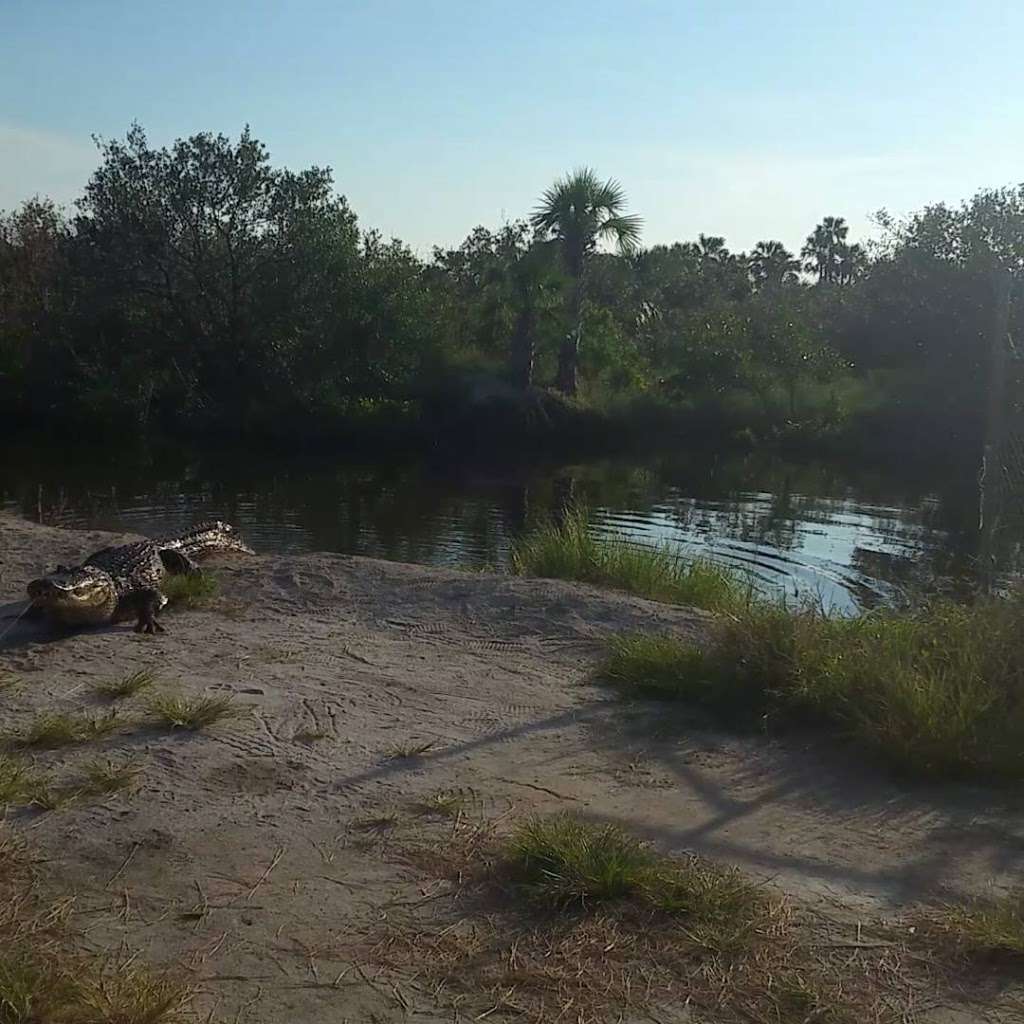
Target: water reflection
{"type": "Point", "coordinates": [849, 536]}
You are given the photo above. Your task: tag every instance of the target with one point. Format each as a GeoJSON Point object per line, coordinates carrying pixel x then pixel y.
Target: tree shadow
{"type": "Point", "coordinates": [814, 806]}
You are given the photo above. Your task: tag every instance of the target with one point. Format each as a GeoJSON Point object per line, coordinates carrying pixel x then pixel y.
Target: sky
{"type": "Point", "coordinates": [741, 118]}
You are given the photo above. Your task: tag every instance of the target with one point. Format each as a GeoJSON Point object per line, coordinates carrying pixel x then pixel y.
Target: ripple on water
{"type": "Point", "coordinates": [827, 539]}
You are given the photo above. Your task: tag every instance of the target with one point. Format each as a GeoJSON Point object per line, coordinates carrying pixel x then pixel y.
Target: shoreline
{"type": "Point", "coordinates": [341, 665]}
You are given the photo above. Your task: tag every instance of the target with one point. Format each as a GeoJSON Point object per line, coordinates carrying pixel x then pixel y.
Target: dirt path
{"type": "Point", "coordinates": [275, 826]}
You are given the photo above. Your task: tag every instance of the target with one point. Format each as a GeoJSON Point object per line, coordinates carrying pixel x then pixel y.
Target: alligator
{"type": "Point", "coordinates": [122, 582]}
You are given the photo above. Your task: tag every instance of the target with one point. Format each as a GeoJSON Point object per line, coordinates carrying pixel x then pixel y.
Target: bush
{"type": "Point", "coordinates": [938, 691]}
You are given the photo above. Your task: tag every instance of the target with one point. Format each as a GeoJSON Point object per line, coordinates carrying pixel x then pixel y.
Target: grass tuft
{"type": "Point", "coordinates": [984, 928]}
{"type": "Point", "coordinates": [448, 803]}
{"type": "Point", "coordinates": [110, 777]}
{"type": "Point", "coordinates": [192, 713]}
{"type": "Point", "coordinates": [410, 749]}
{"type": "Point", "coordinates": [937, 692]}
{"type": "Point", "coordinates": [129, 686]}
{"type": "Point", "coordinates": [45, 797]}
{"type": "Point", "coordinates": [192, 590]}
{"type": "Point", "coordinates": [568, 550]}
{"type": "Point", "coordinates": [562, 861]}
{"type": "Point", "coordinates": [17, 781]}
{"type": "Point", "coordinates": [52, 729]}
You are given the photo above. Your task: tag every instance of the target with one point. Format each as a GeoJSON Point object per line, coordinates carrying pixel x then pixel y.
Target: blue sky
{"type": "Point", "coordinates": [749, 119]}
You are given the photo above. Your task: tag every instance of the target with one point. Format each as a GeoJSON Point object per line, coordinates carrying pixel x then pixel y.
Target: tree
{"type": "Point", "coordinates": [851, 262]}
{"type": "Point", "coordinates": [212, 270]}
{"type": "Point", "coordinates": [533, 284]}
{"type": "Point", "coordinates": [823, 249]}
{"type": "Point", "coordinates": [579, 212]}
{"type": "Point", "coordinates": [36, 295]}
{"type": "Point", "coordinates": [772, 265]}
{"type": "Point", "coordinates": [505, 288]}
{"type": "Point", "coordinates": [787, 346]}
{"type": "Point", "coordinates": [712, 248]}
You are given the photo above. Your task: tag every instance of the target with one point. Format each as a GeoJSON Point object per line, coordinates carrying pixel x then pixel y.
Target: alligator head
{"type": "Point", "coordinates": [80, 596]}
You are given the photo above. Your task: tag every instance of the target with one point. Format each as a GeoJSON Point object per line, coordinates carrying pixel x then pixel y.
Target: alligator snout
{"type": "Point", "coordinates": [40, 589]}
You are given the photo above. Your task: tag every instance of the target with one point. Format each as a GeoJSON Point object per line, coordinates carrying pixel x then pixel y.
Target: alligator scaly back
{"type": "Point", "coordinates": [206, 538]}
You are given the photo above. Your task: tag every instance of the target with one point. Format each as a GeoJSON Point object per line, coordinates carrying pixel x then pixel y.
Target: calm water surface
{"type": "Point", "coordinates": [851, 537]}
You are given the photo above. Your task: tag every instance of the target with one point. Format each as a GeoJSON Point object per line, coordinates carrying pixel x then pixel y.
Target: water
{"type": "Point", "coordinates": [849, 537]}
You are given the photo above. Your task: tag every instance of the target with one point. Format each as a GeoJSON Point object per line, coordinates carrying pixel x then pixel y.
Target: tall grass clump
{"type": "Point", "coordinates": [661, 667]}
{"type": "Point", "coordinates": [937, 691]}
{"type": "Point", "coordinates": [568, 550]}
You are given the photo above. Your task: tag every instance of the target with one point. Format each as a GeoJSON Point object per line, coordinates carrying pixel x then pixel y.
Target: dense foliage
{"type": "Point", "coordinates": [197, 287]}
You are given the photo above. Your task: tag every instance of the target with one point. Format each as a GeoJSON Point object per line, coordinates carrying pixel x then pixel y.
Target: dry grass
{"type": "Point", "coordinates": [46, 979]}
{"type": "Point", "coordinates": [408, 750]}
{"type": "Point", "coordinates": [192, 713]}
{"type": "Point", "coordinates": [377, 823]}
{"type": "Point", "coordinates": [129, 686]}
{"type": "Point", "coordinates": [568, 921]}
{"type": "Point", "coordinates": [55, 729]}
{"type": "Point", "coordinates": [446, 803]}
{"type": "Point", "coordinates": [988, 929]}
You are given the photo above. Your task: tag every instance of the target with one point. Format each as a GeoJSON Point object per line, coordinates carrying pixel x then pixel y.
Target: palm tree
{"type": "Point", "coordinates": [824, 247]}
{"type": "Point", "coordinates": [772, 265]}
{"type": "Point", "coordinates": [712, 248]}
{"type": "Point", "coordinates": [851, 263]}
{"type": "Point", "coordinates": [579, 212]}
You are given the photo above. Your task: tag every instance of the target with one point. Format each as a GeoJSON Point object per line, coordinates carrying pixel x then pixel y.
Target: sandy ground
{"type": "Point", "coordinates": [492, 671]}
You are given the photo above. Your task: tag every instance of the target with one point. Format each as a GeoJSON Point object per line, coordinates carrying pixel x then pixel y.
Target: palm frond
{"type": "Point", "coordinates": [610, 196]}
{"type": "Point", "coordinates": [625, 229]}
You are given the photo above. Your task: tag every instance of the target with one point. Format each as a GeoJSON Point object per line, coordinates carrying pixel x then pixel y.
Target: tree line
{"type": "Point", "coordinates": [198, 287]}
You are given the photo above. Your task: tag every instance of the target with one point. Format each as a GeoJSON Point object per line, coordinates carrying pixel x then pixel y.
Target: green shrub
{"type": "Point", "coordinates": [938, 691]}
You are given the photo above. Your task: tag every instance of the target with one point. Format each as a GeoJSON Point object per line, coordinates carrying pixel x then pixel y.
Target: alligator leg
{"type": "Point", "coordinates": [178, 564]}
{"type": "Point", "coordinates": [145, 605]}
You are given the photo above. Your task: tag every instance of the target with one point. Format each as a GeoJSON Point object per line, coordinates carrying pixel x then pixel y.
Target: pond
{"type": "Point", "coordinates": [851, 537]}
